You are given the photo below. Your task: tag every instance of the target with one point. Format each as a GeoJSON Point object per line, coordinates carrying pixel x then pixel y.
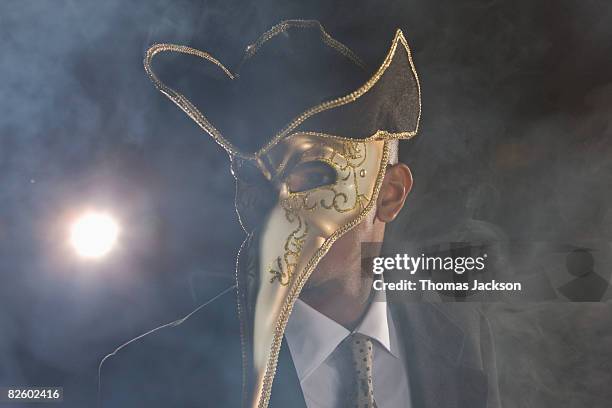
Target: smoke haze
{"type": "Point", "coordinates": [514, 147]}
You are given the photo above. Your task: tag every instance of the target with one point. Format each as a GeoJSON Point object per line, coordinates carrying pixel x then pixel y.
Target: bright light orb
{"type": "Point", "coordinates": [94, 234]}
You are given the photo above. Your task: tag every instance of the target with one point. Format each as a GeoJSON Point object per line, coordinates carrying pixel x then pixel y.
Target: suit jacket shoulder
{"type": "Point", "coordinates": [451, 359]}
{"type": "Point", "coordinates": [193, 361]}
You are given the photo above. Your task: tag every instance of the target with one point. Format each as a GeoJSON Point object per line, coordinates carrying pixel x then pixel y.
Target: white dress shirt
{"type": "Point", "coordinates": [313, 337]}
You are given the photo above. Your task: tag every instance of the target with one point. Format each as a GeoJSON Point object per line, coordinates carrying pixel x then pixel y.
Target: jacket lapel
{"type": "Point", "coordinates": [286, 389]}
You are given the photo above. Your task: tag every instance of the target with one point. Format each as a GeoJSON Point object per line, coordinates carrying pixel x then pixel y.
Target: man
{"type": "Point", "coordinates": [308, 332]}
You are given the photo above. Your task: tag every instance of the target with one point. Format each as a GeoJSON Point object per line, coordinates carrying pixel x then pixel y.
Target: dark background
{"type": "Point", "coordinates": [514, 146]}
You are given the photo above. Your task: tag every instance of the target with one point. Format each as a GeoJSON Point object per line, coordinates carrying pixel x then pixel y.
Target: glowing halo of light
{"type": "Point", "coordinates": [94, 234]}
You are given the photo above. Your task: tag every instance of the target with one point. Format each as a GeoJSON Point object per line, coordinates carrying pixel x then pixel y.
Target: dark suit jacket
{"type": "Point", "coordinates": [196, 361]}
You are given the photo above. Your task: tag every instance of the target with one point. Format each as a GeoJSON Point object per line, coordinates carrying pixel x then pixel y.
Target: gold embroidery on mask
{"type": "Point", "coordinates": [348, 164]}
{"type": "Point", "coordinates": [293, 248]}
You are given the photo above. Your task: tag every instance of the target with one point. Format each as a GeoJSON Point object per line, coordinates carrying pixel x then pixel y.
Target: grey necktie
{"type": "Point", "coordinates": [363, 388]}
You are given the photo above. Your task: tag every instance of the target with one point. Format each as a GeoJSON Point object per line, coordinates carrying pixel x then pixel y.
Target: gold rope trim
{"type": "Point", "coordinates": [181, 100]}
{"type": "Point", "coordinates": [283, 26]}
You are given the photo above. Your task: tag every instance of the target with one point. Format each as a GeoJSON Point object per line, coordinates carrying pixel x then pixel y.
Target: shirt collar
{"type": "Point", "coordinates": [375, 324]}
{"type": "Point", "coordinates": [312, 336]}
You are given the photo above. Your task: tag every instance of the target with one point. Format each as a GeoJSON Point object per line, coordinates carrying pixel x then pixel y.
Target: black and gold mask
{"type": "Point", "coordinates": [307, 184]}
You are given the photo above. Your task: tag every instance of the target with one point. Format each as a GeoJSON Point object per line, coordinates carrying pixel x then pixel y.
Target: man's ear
{"type": "Point", "coordinates": [395, 188]}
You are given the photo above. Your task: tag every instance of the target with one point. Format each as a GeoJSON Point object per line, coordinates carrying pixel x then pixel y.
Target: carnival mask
{"type": "Point", "coordinates": [308, 185]}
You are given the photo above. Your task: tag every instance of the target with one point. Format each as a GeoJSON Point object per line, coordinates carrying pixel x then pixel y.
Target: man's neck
{"type": "Point", "coordinates": [344, 302]}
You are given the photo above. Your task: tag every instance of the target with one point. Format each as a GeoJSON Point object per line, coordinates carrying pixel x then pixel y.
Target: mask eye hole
{"type": "Point", "coordinates": [309, 175]}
